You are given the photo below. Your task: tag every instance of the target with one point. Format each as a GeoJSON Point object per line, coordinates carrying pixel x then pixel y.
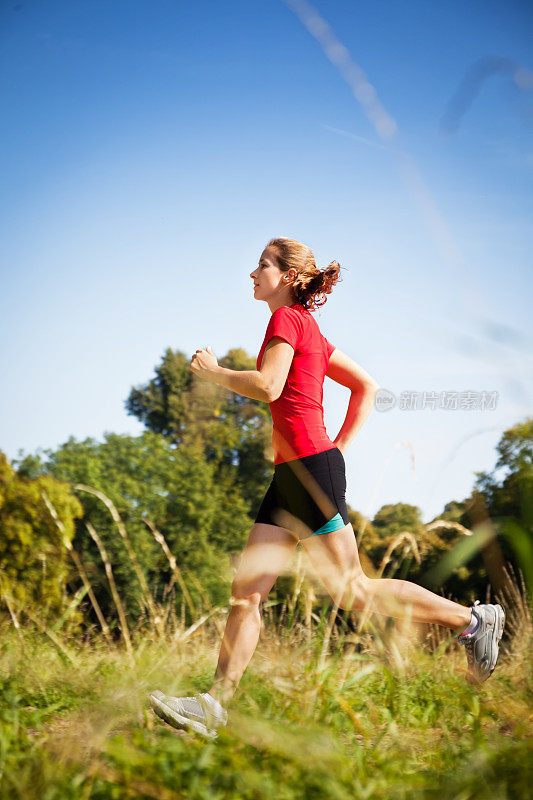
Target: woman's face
{"type": "Point", "coordinates": [268, 279]}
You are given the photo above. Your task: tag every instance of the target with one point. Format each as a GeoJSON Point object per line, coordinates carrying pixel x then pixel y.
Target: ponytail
{"type": "Point", "coordinates": [311, 284]}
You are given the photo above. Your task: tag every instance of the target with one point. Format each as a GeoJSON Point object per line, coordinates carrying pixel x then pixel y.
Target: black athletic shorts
{"type": "Point", "coordinates": [307, 495]}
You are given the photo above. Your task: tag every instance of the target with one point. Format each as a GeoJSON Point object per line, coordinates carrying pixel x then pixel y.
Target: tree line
{"type": "Point", "coordinates": [189, 487]}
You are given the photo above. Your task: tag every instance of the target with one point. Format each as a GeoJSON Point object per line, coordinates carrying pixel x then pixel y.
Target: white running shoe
{"type": "Point", "coordinates": [200, 713]}
{"type": "Point", "coordinates": [482, 645]}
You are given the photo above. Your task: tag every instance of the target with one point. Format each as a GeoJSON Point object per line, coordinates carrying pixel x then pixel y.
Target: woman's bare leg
{"type": "Point", "coordinates": [335, 558]}
{"type": "Point", "coordinates": [399, 598]}
{"type": "Point", "coordinates": [265, 555]}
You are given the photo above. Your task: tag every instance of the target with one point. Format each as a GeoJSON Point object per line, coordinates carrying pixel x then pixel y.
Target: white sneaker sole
{"type": "Point", "coordinates": [168, 714]}
{"type": "Point", "coordinates": [497, 632]}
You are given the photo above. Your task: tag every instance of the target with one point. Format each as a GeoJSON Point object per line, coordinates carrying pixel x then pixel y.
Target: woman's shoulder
{"type": "Point", "coordinates": [288, 318]}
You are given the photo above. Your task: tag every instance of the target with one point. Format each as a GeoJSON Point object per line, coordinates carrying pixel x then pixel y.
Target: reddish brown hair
{"type": "Point", "coordinates": [311, 284]}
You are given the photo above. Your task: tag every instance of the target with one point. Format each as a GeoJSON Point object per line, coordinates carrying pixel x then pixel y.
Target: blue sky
{"type": "Point", "coordinates": [149, 151]}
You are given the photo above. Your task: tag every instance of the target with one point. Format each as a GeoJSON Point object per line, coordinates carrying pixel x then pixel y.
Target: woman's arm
{"type": "Point", "coordinates": [265, 384]}
{"type": "Point", "coordinates": [248, 382]}
{"type": "Point", "coordinates": [344, 370]}
{"type": "Point", "coordinates": [359, 407]}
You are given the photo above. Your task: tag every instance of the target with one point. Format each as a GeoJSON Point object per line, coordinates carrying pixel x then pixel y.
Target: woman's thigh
{"type": "Point", "coordinates": [265, 555]}
{"type": "Point", "coordinates": [335, 558]}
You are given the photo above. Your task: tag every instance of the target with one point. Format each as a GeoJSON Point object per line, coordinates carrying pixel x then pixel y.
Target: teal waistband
{"type": "Point", "coordinates": [332, 525]}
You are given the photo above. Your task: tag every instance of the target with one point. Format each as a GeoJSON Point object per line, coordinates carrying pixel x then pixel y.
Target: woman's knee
{"type": "Point", "coordinates": [245, 597]}
{"type": "Point", "coordinates": [356, 593]}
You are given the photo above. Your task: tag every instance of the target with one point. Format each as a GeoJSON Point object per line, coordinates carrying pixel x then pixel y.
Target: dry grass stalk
{"type": "Point", "coordinates": [327, 637]}
{"type": "Point", "coordinates": [114, 591]}
{"type": "Point", "coordinates": [51, 635]}
{"type": "Point", "coordinates": [207, 601]}
{"type": "Point", "coordinates": [180, 636]}
{"type": "Point", "coordinates": [309, 600]}
{"type": "Point", "coordinates": [176, 572]}
{"type": "Point", "coordinates": [79, 566]}
{"type": "Point", "coordinates": [298, 579]}
{"type": "Point", "coordinates": [156, 618]}
{"type": "Point", "coordinates": [7, 600]}
{"type": "Point", "coordinates": [402, 443]}
{"type": "Point", "coordinates": [75, 600]}
{"type": "Point", "coordinates": [444, 523]}
{"type": "Point", "coordinates": [514, 598]}
{"type": "Point", "coordinates": [435, 635]}
{"type": "Point", "coordinates": [404, 536]}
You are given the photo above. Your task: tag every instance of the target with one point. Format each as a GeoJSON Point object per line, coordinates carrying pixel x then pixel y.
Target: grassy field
{"type": "Point", "coordinates": [376, 710]}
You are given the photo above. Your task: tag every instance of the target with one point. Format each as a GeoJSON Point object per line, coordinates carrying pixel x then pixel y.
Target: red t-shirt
{"type": "Point", "coordinates": [298, 414]}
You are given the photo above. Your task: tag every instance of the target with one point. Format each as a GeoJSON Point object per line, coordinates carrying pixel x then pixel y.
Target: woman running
{"type": "Point", "coordinates": [306, 498]}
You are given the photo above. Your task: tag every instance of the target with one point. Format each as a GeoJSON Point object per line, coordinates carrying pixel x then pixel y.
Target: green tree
{"type": "Point", "coordinates": [508, 497]}
{"type": "Point", "coordinates": [148, 479]}
{"type": "Point", "coordinates": [508, 489]}
{"type": "Point", "coordinates": [501, 498]}
{"type": "Point", "coordinates": [34, 561]}
{"type": "Point", "coordinates": [234, 431]}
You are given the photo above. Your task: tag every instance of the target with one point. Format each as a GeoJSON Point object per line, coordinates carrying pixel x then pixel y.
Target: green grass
{"type": "Point", "coordinates": [380, 716]}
